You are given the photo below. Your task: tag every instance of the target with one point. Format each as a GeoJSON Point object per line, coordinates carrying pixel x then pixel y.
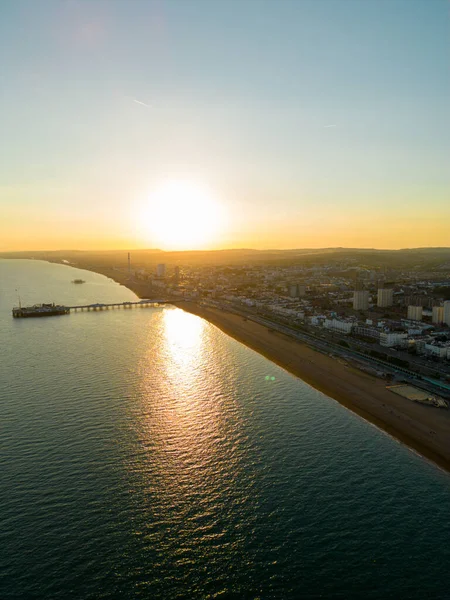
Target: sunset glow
{"type": "Point", "coordinates": [314, 125]}
{"type": "Point", "coordinates": [180, 215]}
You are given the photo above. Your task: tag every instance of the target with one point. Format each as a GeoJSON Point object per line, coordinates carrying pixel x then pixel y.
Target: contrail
{"type": "Point", "coordinates": [333, 125]}
{"type": "Point", "coordinates": [142, 103]}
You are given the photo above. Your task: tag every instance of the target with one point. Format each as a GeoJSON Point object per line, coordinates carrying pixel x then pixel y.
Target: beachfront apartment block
{"type": "Point", "coordinates": [439, 349]}
{"type": "Point", "coordinates": [437, 314]}
{"type": "Point", "coordinates": [385, 297]}
{"type": "Point", "coordinates": [415, 313]}
{"type": "Point", "coordinates": [361, 300]}
{"type": "Point", "coordinates": [366, 331]}
{"type": "Point", "coordinates": [446, 308]}
{"type": "Point", "coordinates": [393, 338]}
{"type": "Point", "coordinates": [338, 325]}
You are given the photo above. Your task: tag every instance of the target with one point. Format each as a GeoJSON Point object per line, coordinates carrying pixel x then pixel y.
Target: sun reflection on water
{"type": "Point", "coordinates": [183, 335]}
{"type": "Point", "coordinates": [191, 439]}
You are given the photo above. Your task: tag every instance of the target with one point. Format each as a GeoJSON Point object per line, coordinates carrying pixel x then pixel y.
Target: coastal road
{"type": "Point", "coordinates": [329, 347]}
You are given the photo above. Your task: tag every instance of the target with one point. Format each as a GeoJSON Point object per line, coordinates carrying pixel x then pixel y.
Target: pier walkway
{"type": "Point", "coordinates": [124, 305]}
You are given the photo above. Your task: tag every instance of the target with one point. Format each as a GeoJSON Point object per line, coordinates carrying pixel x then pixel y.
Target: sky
{"type": "Point", "coordinates": [310, 123]}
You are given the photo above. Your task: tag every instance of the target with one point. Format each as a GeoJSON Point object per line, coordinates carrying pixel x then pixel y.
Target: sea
{"type": "Point", "coordinates": [146, 454]}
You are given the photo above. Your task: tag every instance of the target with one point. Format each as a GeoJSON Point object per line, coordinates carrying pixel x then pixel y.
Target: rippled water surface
{"type": "Point", "coordinates": [144, 454]}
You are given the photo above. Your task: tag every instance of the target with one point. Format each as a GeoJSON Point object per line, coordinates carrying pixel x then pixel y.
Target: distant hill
{"type": "Point", "coordinates": [408, 258]}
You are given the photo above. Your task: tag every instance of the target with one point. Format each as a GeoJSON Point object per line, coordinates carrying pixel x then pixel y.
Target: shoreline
{"type": "Point", "coordinates": [408, 422]}
{"type": "Point", "coordinates": [424, 430]}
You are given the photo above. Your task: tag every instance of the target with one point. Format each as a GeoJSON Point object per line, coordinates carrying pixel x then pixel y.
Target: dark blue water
{"type": "Point", "coordinates": [145, 455]}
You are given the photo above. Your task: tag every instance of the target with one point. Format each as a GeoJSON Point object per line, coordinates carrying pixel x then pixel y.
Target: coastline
{"type": "Point", "coordinates": [410, 423]}
{"type": "Point", "coordinates": [423, 429]}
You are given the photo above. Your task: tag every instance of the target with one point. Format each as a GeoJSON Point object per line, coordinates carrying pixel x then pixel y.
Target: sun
{"type": "Point", "coordinates": [180, 215]}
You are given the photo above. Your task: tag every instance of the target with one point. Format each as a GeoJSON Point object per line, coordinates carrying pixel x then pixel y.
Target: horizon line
{"type": "Point", "coordinates": [243, 249]}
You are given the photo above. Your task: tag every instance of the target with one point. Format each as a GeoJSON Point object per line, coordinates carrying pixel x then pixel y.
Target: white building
{"type": "Point", "coordinates": [338, 325]}
{"type": "Point", "coordinates": [366, 331]}
{"type": "Point", "coordinates": [446, 308]}
{"type": "Point", "coordinates": [437, 315]}
{"type": "Point", "coordinates": [415, 313]}
{"type": "Point", "coordinates": [393, 338]}
{"type": "Point", "coordinates": [161, 270]}
{"type": "Point", "coordinates": [441, 350]}
{"type": "Point", "coordinates": [361, 300]}
{"type": "Point", "coordinates": [385, 297]}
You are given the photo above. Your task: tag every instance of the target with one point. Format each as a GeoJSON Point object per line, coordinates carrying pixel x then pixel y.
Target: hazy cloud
{"type": "Point", "coordinates": [142, 103]}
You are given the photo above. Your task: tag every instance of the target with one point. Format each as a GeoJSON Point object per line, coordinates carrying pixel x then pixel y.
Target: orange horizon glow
{"type": "Point", "coordinates": [353, 240]}
{"type": "Point", "coordinates": [325, 137]}
{"type": "Point", "coordinates": [221, 225]}
{"type": "Point", "coordinates": [132, 246]}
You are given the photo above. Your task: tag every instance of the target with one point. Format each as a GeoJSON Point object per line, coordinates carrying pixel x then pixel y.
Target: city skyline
{"type": "Point", "coordinates": [290, 124]}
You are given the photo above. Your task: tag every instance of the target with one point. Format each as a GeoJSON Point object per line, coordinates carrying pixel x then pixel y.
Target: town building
{"type": "Point", "coordinates": [385, 297]}
{"type": "Point", "coordinates": [392, 338]}
{"type": "Point", "coordinates": [446, 308]}
{"type": "Point", "coordinates": [439, 349]}
{"type": "Point", "coordinates": [296, 290]}
{"type": "Point", "coordinates": [338, 325]}
{"type": "Point", "coordinates": [437, 315]}
{"type": "Point", "coordinates": [415, 313]}
{"type": "Point", "coordinates": [366, 331]}
{"type": "Point", "coordinates": [361, 300]}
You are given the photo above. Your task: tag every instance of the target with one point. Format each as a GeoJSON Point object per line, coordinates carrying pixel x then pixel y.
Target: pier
{"type": "Point", "coordinates": [53, 310]}
{"type": "Point", "coordinates": [124, 305]}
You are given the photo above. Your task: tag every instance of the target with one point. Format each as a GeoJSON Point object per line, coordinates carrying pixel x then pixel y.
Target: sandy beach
{"type": "Point", "coordinates": [425, 429]}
